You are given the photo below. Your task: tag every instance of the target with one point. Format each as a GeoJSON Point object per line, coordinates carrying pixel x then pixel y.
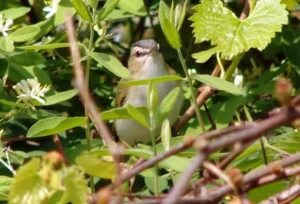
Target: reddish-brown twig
{"type": "Point", "coordinates": [60, 148]}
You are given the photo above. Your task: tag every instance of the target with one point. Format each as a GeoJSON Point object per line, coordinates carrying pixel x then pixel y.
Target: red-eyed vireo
{"type": "Point", "coordinates": [145, 62]}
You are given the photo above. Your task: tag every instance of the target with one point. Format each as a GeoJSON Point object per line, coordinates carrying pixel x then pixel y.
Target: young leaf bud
{"type": "Point", "coordinates": [53, 160]}
{"type": "Point", "coordinates": [283, 90]}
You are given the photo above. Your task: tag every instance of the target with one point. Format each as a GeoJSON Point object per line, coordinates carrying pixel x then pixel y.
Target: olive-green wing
{"type": "Point", "coordinates": [172, 72]}
{"type": "Point", "coordinates": [121, 94]}
{"type": "Point", "coordinates": [119, 102]}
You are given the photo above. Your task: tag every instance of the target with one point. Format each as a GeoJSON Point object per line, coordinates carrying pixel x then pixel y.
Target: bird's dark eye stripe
{"type": "Point", "coordinates": [139, 54]}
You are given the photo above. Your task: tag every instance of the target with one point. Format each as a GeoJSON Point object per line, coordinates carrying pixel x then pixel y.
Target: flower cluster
{"type": "Point", "coordinates": [4, 25]}
{"type": "Point", "coordinates": [31, 89]}
{"type": "Point", "coordinates": [51, 10]}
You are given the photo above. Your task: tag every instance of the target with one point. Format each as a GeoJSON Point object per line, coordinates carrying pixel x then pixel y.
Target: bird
{"type": "Point", "coordinates": [145, 62]}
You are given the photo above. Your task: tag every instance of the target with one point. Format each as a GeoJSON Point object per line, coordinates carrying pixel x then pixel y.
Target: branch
{"type": "Point", "coordinates": [207, 91]}
{"type": "Point", "coordinates": [285, 196]}
{"type": "Point", "coordinates": [88, 102]}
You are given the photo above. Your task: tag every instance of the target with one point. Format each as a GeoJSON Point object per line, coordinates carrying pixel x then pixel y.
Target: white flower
{"type": "Point", "coordinates": [51, 10]}
{"type": "Point", "coordinates": [238, 80]}
{"type": "Point", "coordinates": [4, 25]}
{"type": "Point", "coordinates": [31, 89]}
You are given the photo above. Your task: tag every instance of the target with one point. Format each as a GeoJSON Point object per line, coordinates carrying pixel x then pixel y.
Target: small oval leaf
{"type": "Point", "coordinates": [111, 63]}
{"type": "Point", "coordinates": [82, 10]}
{"type": "Point", "coordinates": [25, 33]}
{"type": "Point", "coordinates": [60, 97]}
{"type": "Point", "coordinates": [96, 166]}
{"type": "Point", "coordinates": [46, 47]}
{"type": "Point", "coordinates": [166, 106]}
{"type": "Point", "coordinates": [171, 34]}
{"type": "Point", "coordinates": [108, 7]}
{"type": "Point", "coordinates": [153, 80]}
{"type": "Point", "coordinates": [54, 125]}
{"type": "Point", "coordinates": [139, 116]}
{"type": "Point", "coordinates": [219, 84]}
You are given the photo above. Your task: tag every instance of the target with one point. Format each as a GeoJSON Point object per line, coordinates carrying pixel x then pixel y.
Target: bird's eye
{"type": "Point", "coordinates": [137, 53]}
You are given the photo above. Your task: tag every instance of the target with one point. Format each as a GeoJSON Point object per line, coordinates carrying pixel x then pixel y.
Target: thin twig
{"type": "Point", "coordinates": [179, 188]}
{"type": "Point", "coordinates": [218, 172]}
{"type": "Point", "coordinates": [286, 196]}
{"type": "Point", "coordinates": [60, 148]}
{"type": "Point", "coordinates": [83, 91]}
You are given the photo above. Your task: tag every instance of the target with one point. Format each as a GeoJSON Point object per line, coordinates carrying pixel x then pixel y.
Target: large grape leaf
{"type": "Point", "coordinates": [216, 23]}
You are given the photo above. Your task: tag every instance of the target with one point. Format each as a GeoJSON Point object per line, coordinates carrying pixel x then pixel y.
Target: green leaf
{"type": "Point", "coordinates": [162, 184]}
{"type": "Point", "coordinates": [227, 111]}
{"type": "Point", "coordinates": [54, 125]}
{"type": "Point", "coordinates": [118, 14]}
{"type": "Point", "coordinates": [291, 46]}
{"type": "Point", "coordinates": [290, 4]}
{"type": "Point", "coordinates": [111, 63]}
{"type": "Point", "coordinates": [216, 23]}
{"type": "Point", "coordinates": [203, 56]}
{"type": "Point", "coordinates": [60, 97]}
{"type": "Point", "coordinates": [268, 190]}
{"type": "Point", "coordinates": [76, 189]}
{"type": "Point", "coordinates": [166, 134]}
{"type": "Point", "coordinates": [108, 7]}
{"type": "Point", "coordinates": [121, 113]}
{"type": "Point", "coordinates": [175, 163]}
{"type": "Point", "coordinates": [28, 58]}
{"type": "Point", "coordinates": [14, 13]}
{"type": "Point", "coordinates": [24, 33]}
{"type": "Point", "coordinates": [171, 34]}
{"type": "Point", "coordinates": [25, 114]}
{"type": "Point", "coordinates": [136, 7]}
{"type": "Point", "coordinates": [46, 47]}
{"type": "Point", "coordinates": [96, 166]}
{"type": "Point", "coordinates": [163, 12]}
{"type": "Point", "coordinates": [152, 98]}
{"type": "Point", "coordinates": [287, 142]}
{"type": "Point", "coordinates": [6, 44]}
{"type": "Point", "coordinates": [82, 10]}
{"type": "Point", "coordinates": [153, 80]}
{"type": "Point", "coordinates": [11, 103]}
{"type": "Point", "coordinates": [182, 15]}
{"type": "Point", "coordinates": [219, 84]}
{"type": "Point", "coordinates": [167, 105]}
{"type": "Point", "coordinates": [28, 186]}
{"type": "Point", "coordinates": [5, 183]}
{"type": "Point", "coordinates": [138, 115]}
{"type": "Point", "coordinates": [93, 3]}
{"type": "Point", "coordinates": [64, 7]}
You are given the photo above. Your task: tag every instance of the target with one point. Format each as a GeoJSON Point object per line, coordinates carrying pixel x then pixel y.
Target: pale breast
{"type": "Point", "coordinates": [131, 131]}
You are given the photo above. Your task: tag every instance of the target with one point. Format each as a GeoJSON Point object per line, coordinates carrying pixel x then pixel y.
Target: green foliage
{"type": "Point", "coordinates": [219, 84]}
{"type": "Point", "coordinates": [28, 186]}
{"type": "Point", "coordinates": [24, 33]}
{"type": "Point", "coordinates": [216, 23]}
{"type": "Point", "coordinates": [136, 7]}
{"type": "Point", "coordinates": [14, 13]}
{"type": "Point", "coordinates": [75, 187]}
{"type": "Point", "coordinates": [54, 125]}
{"type": "Point", "coordinates": [5, 183]}
{"type": "Point", "coordinates": [152, 80]}
{"type": "Point", "coordinates": [261, 47]}
{"type": "Point", "coordinates": [96, 166]}
{"type": "Point", "coordinates": [107, 9]}
{"type": "Point", "coordinates": [82, 10]}
{"type": "Point", "coordinates": [167, 105]}
{"type": "Point", "coordinates": [138, 115]}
